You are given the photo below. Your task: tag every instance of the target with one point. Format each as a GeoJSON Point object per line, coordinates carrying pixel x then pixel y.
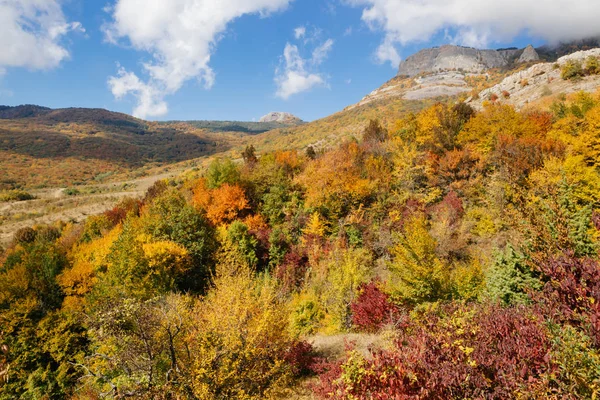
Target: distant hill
{"type": "Point", "coordinates": [41, 146]}
{"type": "Point", "coordinates": [24, 111]}
{"type": "Point", "coordinates": [237, 126]}
{"type": "Point", "coordinates": [330, 131]}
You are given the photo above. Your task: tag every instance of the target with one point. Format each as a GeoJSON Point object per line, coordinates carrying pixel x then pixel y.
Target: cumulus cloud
{"type": "Point", "coordinates": [387, 52]}
{"type": "Point", "coordinates": [31, 34]}
{"type": "Point", "coordinates": [477, 22]}
{"type": "Point", "coordinates": [296, 74]}
{"type": "Point", "coordinates": [149, 101]}
{"type": "Point", "coordinates": [180, 35]}
{"type": "Point", "coordinates": [299, 32]}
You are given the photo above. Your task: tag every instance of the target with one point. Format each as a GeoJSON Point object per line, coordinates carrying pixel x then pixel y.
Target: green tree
{"type": "Point", "coordinates": [222, 171]}
{"type": "Point", "coordinates": [170, 218]}
{"type": "Point", "coordinates": [572, 70]}
{"type": "Point", "coordinates": [510, 277]}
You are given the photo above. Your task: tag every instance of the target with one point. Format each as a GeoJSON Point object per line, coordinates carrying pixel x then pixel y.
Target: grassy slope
{"type": "Point", "coordinates": [332, 130]}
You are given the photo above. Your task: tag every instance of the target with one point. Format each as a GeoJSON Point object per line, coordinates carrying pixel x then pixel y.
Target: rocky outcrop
{"type": "Point", "coordinates": [281, 117]}
{"type": "Point", "coordinates": [467, 59]}
{"type": "Point", "coordinates": [529, 55]}
{"type": "Point", "coordinates": [539, 81]}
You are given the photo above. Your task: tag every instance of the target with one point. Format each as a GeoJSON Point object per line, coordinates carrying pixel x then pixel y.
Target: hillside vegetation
{"type": "Point", "coordinates": [48, 148]}
{"type": "Point", "coordinates": [465, 241]}
{"type": "Point", "coordinates": [234, 126]}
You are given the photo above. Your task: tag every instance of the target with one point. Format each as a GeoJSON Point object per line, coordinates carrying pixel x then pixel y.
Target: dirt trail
{"type": "Point", "coordinates": [54, 204]}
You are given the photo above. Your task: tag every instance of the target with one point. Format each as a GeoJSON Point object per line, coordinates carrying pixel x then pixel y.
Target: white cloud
{"type": "Point", "coordinates": [180, 35]}
{"type": "Point", "coordinates": [299, 32]}
{"type": "Point", "coordinates": [31, 34]}
{"type": "Point", "coordinates": [296, 74]}
{"type": "Point", "coordinates": [321, 52]}
{"type": "Point", "coordinates": [387, 52]}
{"type": "Point", "coordinates": [150, 100]}
{"type": "Point", "coordinates": [312, 34]}
{"type": "Point", "coordinates": [478, 22]}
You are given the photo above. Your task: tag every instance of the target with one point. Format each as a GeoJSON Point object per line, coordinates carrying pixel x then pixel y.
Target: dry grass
{"type": "Point", "coordinates": [333, 347]}
{"type": "Point", "coordinates": [52, 205]}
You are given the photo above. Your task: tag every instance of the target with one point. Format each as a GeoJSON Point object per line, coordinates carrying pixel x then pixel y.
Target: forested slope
{"type": "Point", "coordinates": [467, 241]}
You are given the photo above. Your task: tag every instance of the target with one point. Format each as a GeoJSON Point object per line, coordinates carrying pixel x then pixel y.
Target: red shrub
{"type": "Point", "coordinates": [542, 119]}
{"type": "Point", "coordinates": [411, 207]}
{"type": "Point", "coordinates": [301, 357]}
{"type": "Point", "coordinates": [117, 214]}
{"type": "Point", "coordinates": [328, 386]}
{"type": "Point", "coordinates": [455, 168]}
{"type": "Point", "coordinates": [292, 271]}
{"type": "Point", "coordinates": [519, 156]}
{"type": "Point", "coordinates": [486, 352]}
{"type": "Point", "coordinates": [572, 291]}
{"type": "Point", "coordinates": [451, 206]}
{"type": "Point", "coordinates": [372, 309]}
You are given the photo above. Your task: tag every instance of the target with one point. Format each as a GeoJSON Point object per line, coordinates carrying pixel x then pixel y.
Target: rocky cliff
{"type": "Point", "coordinates": [467, 59]}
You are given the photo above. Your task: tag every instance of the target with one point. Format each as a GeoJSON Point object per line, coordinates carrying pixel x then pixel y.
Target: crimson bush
{"type": "Point", "coordinates": [484, 352]}
{"type": "Point", "coordinates": [372, 309]}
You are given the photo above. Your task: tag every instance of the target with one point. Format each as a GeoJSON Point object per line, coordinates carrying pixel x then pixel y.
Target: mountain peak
{"type": "Point", "coordinates": [282, 117]}
{"type": "Point", "coordinates": [467, 59]}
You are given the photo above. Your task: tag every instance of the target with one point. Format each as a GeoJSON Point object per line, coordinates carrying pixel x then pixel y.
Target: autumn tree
{"type": "Point", "coordinates": [240, 340]}
{"type": "Point", "coordinates": [374, 132]}
{"type": "Point", "coordinates": [421, 275]}
{"type": "Point", "coordinates": [249, 155]}
{"type": "Point", "coordinates": [139, 348]}
{"type": "Point", "coordinates": [171, 218]}
{"type": "Point", "coordinates": [334, 182]}
{"type": "Point", "coordinates": [223, 204]}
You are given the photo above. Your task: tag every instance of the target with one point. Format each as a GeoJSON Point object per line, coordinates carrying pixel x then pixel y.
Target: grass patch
{"type": "Point", "coordinates": [15, 195]}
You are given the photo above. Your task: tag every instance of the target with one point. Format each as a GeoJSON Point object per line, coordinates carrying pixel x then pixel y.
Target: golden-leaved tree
{"type": "Point", "coordinates": [240, 339]}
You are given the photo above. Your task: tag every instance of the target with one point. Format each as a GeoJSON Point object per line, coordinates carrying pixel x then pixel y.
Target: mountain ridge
{"type": "Point", "coordinates": [468, 59]}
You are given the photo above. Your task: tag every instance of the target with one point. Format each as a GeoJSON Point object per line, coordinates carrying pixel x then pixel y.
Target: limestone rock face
{"type": "Point", "coordinates": [529, 55]}
{"type": "Point", "coordinates": [282, 117]}
{"type": "Point", "coordinates": [539, 81]}
{"type": "Point", "coordinates": [467, 59]}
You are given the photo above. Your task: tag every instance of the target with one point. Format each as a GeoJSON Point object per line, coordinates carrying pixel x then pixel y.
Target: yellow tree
{"type": "Point", "coordinates": [421, 275]}
{"type": "Point", "coordinates": [240, 339]}
{"type": "Point", "coordinates": [335, 181]}
{"type": "Point", "coordinates": [88, 260]}
{"type": "Point", "coordinates": [483, 130]}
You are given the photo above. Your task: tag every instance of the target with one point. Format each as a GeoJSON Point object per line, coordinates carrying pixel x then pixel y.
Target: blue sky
{"type": "Point", "coordinates": [349, 48]}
